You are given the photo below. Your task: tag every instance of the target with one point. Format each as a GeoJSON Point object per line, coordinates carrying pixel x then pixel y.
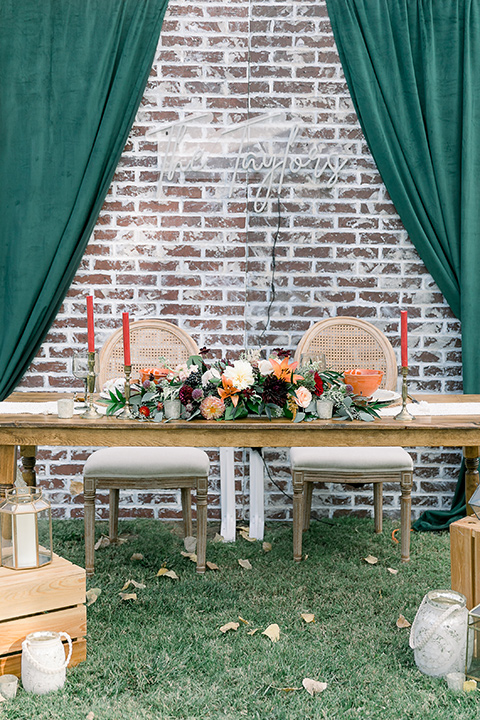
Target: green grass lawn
{"type": "Point", "coordinates": [163, 655]}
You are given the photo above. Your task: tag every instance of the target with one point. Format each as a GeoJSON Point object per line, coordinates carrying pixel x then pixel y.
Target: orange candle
{"type": "Point", "coordinates": [126, 339]}
{"type": "Point", "coordinates": [403, 326]}
{"type": "Point", "coordinates": [90, 326]}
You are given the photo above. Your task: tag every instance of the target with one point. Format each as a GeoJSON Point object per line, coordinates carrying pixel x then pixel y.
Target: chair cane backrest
{"type": "Point", "coordinates": [150, 340]}
{"type": "Point", "coordinates": [349, 343]}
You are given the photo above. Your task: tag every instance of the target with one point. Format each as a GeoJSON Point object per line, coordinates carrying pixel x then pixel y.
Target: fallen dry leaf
{"type": "Point", "coordinates": [103, 541]}
{"type": "Point", "coordinates": [90, 715]}
{"type": "Point", "coordinates": [229, 626]}
{"type": "Point", "coordinates": [245, 622]}
{"type": "Point", "coordinates": [371, 560]}
{"type": "Point", "coordinates": [163, 572]}
{"type": "Point", "coordinates": [76, 487]}
{"type": "Point", "coordinates": [272, 632]}
{"type": "Point", "coordinates": [313, 686]}
{"type": "Point", "coordinates": [190, 544]}
{"type": "Point", "coordinates": [469, 685]}
{"type": "Point", "coordinates": [218, 538]}
{"type": "Point", "coordinates": [190, 555]}
{"type": "Point", "coordinates": [212, 566]}
{"type": "Point", "coordinates": [243, 527]}
{"type": "Point", "coordinates": [136, 556]}
{"type": "Point", "coordinates": [246, 536]}
{"type": "Point", "coordinates": [172, 574]}
{"type": "Point", "coordinates": [402, 622]}
{"type": "Point", "coordinates": [128, 596]}
{"type": "Point", "coordinates": [245, 564]}
{"type": "Point", "coordinates": [139, 586]}
{"type": "Point", "coordinates": [252, 632]}
{"type": "Point", "coordinates": [392, 571]}
{"type": "Point", "coordinates": [308, 617]}
{"type": "Point", "coordinates": [266, 546]}
{"type": "Point", "coordinates": [92, 595]}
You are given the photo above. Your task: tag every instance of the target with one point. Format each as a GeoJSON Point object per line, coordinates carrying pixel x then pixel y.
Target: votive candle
{"type": "Point", "coordinates": [126, 339]}
{"type": "Point", "coordinates": [90, 326]}
{"type": "Point", "coordinates": [403, 335]}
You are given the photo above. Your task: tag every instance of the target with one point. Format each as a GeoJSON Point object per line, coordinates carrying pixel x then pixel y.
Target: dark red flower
{"type": "Point", "coordinates": [144, 410]}
{"type": "Point", "coordinates": [204, 351]}
{"type": "Point", "coordinates": [274, 391]}
{"type": "Point", "coordinates": [185, 394]}
{"type": "Point", "coordinates": [281, 353]}
{"type": "Point", "coordinates": [318, 385]}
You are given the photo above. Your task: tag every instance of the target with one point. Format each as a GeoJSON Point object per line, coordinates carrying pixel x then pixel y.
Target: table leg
{"type": "Point", "coordinates": [298, 501]}
{"type": "Point", "coordinates": [406, 484]}
{"type": "Point", "coordinates": [257, 522]}
{"type": "Point", "coordinates": [471, 472]}
{"type": "Point", "coordinates": [202, 500]}
{"type": "Point", "coordinates": [89, 522]}
{"type": "Point", "coordinates": [8, 460]}
{"type": "Point", "coordinates": [227, 492]}
{"type": "Point", "coordinates": [28, 454]}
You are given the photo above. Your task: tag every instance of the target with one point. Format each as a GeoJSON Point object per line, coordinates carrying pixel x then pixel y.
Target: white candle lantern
{"type": "Point", "coordinates": [25, 529]}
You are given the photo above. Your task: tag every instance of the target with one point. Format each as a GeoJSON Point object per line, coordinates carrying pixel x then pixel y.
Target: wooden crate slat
{"type": "Point", "coordinates": [464, 558]}
{"type": "Point", "coordinates": [13, 663]}
{"type": "Point", "coordinates": [26, 592]}
{"type": "Point", "coordinates": [71, 620]}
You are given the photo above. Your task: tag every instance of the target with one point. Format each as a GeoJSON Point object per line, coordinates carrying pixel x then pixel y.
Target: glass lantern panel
{"type": "Point", "coordinates": [472, 669]}
{"type": "Point", "coordinates": [6, 539]}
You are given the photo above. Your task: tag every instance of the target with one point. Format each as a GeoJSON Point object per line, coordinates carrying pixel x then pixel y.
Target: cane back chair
{"type": "Point", "coordinates": [350, 343]}
{"type": "Point", "coordinates": [146, 467]}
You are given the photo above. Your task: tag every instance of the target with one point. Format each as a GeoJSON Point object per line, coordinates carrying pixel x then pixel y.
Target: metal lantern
{"type": "Point", "coordinates": [472, 665]}
{"type": "Point", "coordinates": [25, 529]}
{"type": "Point", "coordinates": [474, 502]}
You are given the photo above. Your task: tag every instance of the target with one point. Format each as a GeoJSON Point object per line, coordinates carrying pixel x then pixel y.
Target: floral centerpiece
{"type": "Point", "coordinates": [229, 390]}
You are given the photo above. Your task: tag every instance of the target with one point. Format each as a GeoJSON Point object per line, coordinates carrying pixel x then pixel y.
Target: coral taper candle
{"type": "Point", "coordinates": [126, 339]}
{"type": "Point", "coordinates": [403, 325]}
{"type": "Point", "coordinates": [90, 327]}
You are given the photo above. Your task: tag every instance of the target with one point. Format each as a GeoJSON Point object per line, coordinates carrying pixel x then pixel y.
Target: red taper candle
{"type": "Point", "coordinates": [126, 339]}
{"type": "Point", "coordinates": [90, 326]}
{"type": "Point", "coordinates": [404, 344]}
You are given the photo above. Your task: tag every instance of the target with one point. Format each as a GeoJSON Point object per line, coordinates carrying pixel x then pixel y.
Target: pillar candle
{"type": "Point", "coordinates": [126, 339]}
{"type": "Point", "coordinates": [403, 324]}
{"type": "Point", "coordinates": [25, 540]}
{"type": "Point", "coordinates": [90, 327]}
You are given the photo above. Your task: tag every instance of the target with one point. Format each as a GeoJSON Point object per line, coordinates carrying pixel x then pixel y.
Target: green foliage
{"type": "Point", "coordinates": [164, 658]}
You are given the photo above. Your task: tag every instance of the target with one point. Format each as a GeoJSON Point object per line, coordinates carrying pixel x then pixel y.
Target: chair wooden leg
{"type": "Point", "coordinates": [89, 523]}
{"type": "Point", "coordinates": [298, 500]}
{"type": "Point", "coordinates": [406, 484]}
{"type": "Point", "coordinates": [307, 504]}
{"type": "Point", "coordinates": [187, 511]}
{"type": "Point", "coordinates": [113, 514]}
{"type": "Point", "coordinates": [378, 506]}
{"type": "Point", "coordinates": [202, 490]}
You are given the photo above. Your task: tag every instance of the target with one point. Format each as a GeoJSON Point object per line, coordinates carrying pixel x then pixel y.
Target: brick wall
{"type": "Point", "coordinates": [246, 164]}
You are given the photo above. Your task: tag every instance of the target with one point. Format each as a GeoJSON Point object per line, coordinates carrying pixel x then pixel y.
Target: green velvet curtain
{"type": "Point", "coordinates": [413, 71]}
{"type": "Point", "coordinates": [72, 74]}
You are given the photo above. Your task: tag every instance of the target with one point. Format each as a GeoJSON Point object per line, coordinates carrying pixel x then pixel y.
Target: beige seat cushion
{"type": "Point", "coordinates": [361, 459]}
{"type": "Point", "coordinates": [146, 462]}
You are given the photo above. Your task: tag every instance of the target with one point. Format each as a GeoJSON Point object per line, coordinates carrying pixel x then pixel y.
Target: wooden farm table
{"type": "Point", "coordinates": [29, 431]}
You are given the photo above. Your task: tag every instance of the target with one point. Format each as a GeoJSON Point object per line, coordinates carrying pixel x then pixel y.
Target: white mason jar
{"type": "Point", "coordinates": [44, 662]}
{"type": "Point", "coordinates": [324, 408]}
{"type": "Point", "coordinates": [172, 409]}
{"type": "Point", "coordinates": [439, 633]}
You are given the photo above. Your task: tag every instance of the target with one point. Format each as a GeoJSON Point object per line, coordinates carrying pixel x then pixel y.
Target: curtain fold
{"type": "Point", "coordinates": [73, 74]}
{"type": "Point", "coordinates": [413, 71]}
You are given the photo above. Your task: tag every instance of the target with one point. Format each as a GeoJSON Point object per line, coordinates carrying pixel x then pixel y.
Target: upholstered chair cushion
{"type": "Point", "coordinates": [361, 459]}
{"type": "Point", "coordinates": [145, 462]}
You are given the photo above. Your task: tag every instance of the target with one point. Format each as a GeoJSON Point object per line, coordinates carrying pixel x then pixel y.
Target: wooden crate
{"type": "Point", "coordinates": [465, 558]}
{"type": "Point", "coordinates": [48, 598]}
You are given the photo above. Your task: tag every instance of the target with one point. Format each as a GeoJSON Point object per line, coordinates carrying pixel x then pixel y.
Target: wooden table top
{"type": "Point", "coordinates": [424, 431]}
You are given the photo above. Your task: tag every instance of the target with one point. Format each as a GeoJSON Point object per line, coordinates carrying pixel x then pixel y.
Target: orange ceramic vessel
{"type": "Point", "coordinates": [364, 382]}
{"type": "Point", "coordinates": [155, 374]}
